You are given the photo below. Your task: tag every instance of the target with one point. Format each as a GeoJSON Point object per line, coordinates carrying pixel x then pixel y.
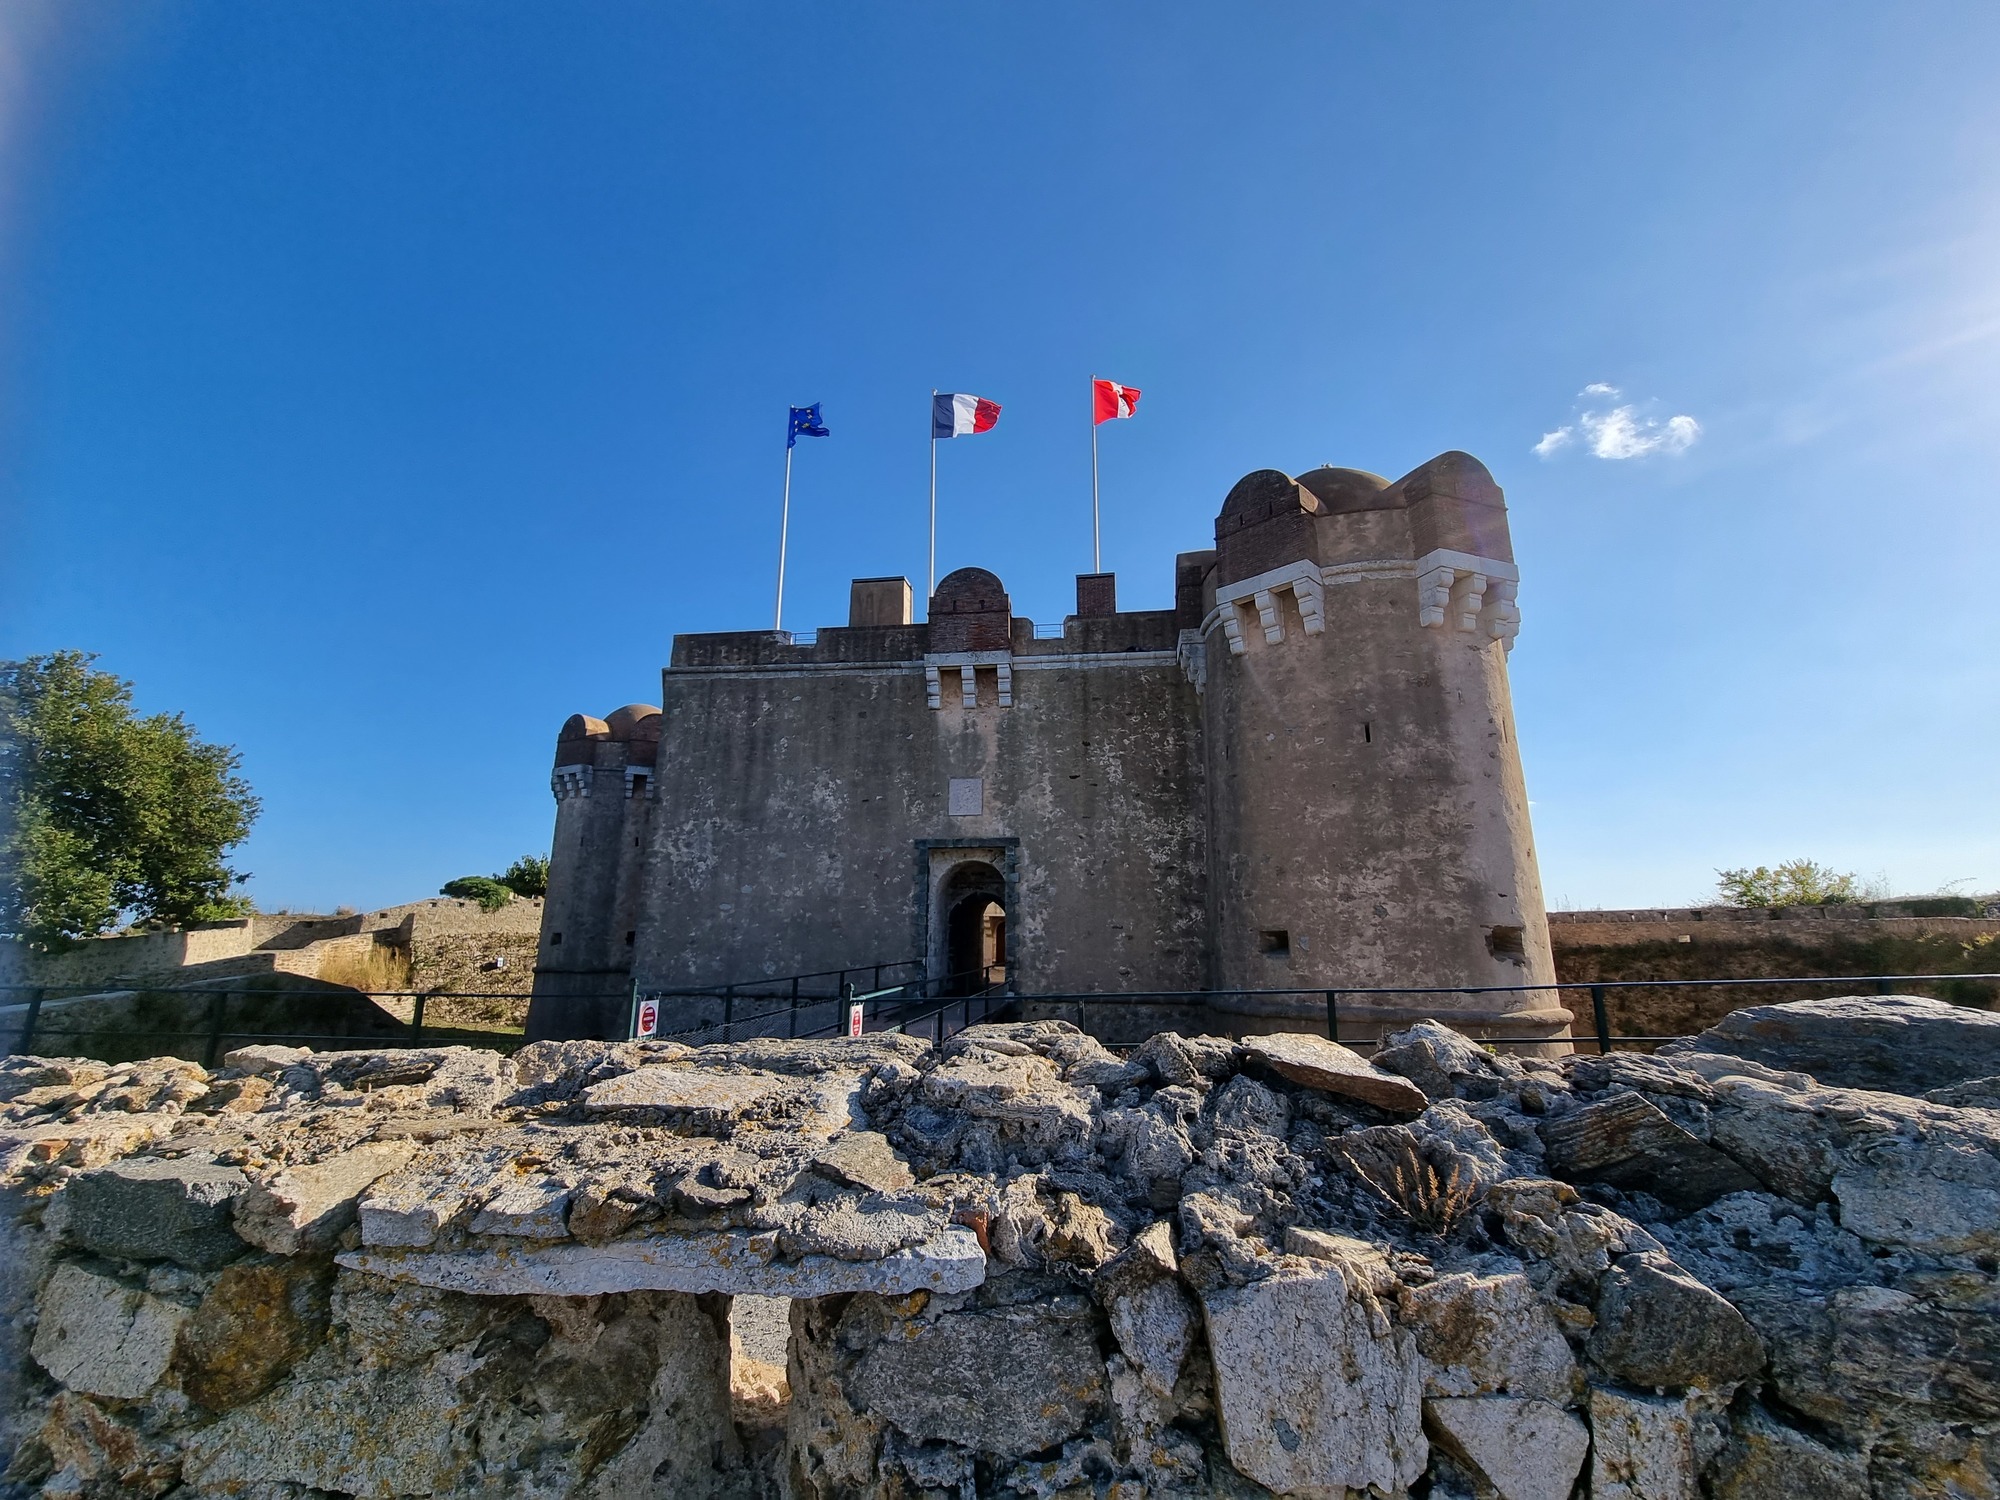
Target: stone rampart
{"type": "Point", "coordinates": [1017, 1265]}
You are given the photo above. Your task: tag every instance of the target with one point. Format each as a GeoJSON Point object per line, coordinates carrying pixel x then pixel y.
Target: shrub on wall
{"type": "Point", "coordinates": [488, 892]}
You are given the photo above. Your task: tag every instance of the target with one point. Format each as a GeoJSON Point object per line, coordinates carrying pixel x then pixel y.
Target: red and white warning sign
{"type": "Point", "coordinates": [646, 1020]}
{"type": "Point", "coordinates": [854, 1019]}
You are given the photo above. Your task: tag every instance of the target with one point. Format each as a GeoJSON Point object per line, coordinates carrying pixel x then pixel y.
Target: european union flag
{"type": "Point", "coordinates": [806, 422]}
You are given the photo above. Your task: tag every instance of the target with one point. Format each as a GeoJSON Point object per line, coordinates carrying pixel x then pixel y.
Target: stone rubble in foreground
{"type": "Point", "coordinates": [1020, 1266]}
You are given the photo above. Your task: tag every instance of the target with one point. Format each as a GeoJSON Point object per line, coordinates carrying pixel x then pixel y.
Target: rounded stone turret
{"type": "Point", "coordinates": [604, 788]}
{"type": "Point", "coordinates": [1368, 819]}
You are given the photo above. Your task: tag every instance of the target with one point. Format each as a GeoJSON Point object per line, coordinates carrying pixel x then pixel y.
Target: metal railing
{"type": "Point", "coordinates": [1599, 991]}
{"type": "Point", "coordinates": [344, 1020]}
{"type": "Point", "coordinates": [894, 1007]}
{"type": "Point", "coordinates": [919, 1006]}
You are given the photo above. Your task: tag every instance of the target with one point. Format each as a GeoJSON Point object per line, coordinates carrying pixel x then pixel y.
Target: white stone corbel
{"type": "Point", "coordinates": [967, 665]}
{"type": "Point", "coordinates": [1232, 629]}
{"type": "Point", "coordinates": [1501, 619]}
{"type": "Point", "coordinates": [1310, 593]}
{"type": "Point", "coordinates": [1193, 657]}
{"type": "Point", "coordinates": [1468, 599]}
{"type": "Point", "coordinates": [1434, 594]}
{"type": "Point", "coordinates": [570, 781]}
{"type": "Point", "coordinates": [1475, 593]}
{"type": "Point", "coordinates": [1268, 616]}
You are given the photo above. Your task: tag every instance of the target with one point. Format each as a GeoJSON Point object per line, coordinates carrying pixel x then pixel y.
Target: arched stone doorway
{"type": "Point", "coordinates": [973, 905]}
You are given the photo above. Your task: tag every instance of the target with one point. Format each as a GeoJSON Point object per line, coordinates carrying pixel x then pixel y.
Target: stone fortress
{"type": "Point", "coordinates": [1303, 775]}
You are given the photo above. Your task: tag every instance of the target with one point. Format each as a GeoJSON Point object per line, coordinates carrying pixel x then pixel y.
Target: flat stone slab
{"type": "Point", "coordinates": [666, 1088]}
{"type": "Point", "coordinates": [1333, 1069]}
{"type": "Point", "coordinates": [1904, 1044]}
{"type": "Point", "coordinates": [735, 1261]}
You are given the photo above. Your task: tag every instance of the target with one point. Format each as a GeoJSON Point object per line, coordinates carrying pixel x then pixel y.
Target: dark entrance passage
{"type": "Point", "coordinates": [974, 903]}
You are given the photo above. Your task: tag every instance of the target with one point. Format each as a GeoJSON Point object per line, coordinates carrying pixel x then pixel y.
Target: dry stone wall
{"type": "Point", "coordinates": [1016, 1265]}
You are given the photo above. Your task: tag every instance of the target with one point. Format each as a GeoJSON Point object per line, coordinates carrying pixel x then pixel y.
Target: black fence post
{"type": "Point", "coordinates": [216, 1008]}
{"type": "Point", "coordinates": [1884, 987]}
{"type": "Point", "coordinates": [27, 1042]}
{"type": "Point", "coordinates": [1603, 1019]}
{"type": "Point", "coordinates": [728, 1012]}
{"type": "Point", "coordinates": [417, 1022]}
{"type": "Point", "coordinates": [1333, 1015]}
{"type": "Point", "coordinates": [792, 1027]}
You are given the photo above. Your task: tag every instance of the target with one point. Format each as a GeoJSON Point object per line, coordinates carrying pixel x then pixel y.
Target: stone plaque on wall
{"type": "Point", "coordinates": [966, 796]}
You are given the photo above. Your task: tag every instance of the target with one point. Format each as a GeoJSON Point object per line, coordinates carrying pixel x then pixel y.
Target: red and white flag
{"type": "Point", "coordinates": [1113, 399]}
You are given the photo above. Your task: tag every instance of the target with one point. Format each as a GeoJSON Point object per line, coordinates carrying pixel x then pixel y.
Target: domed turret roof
{"type": "Point", "coordinates": [969, 591]}
{"type": "Point", "coordinates": [635, 721]}
{"type": "Point", "coordinates": [1341, 490]}
{"type": "Point", "coordinates": [583, 727]}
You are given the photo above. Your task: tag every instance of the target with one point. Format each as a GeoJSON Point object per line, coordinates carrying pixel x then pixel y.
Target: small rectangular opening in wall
{"type": "Point", "coordinates": [628, 938]}
{"type": "Point", "coordinates": [555, 940]}
{"type": "Point", "coordinates": [1275, 942]}
{"type": "Point", "coordinates": [1509, 943]}
{"type": "Point", "coordinates": [1367, 733]}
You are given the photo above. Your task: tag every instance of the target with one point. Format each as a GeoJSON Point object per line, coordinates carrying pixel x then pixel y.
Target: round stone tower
{"type": "Point", "coordinates": [604, 788]}
{"type": "Point", "coordinates": [1368, 821]}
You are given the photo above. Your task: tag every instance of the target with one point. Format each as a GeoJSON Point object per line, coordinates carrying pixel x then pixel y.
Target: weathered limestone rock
{"type": "Point", "coordinates": [1642, 1447]}
{"type": "Point", "coordinates": [93, 1453]}
{"type": "Point", "coordinates": [1155, 1327]}
{"type": "Point", "coordinates": [1974, 1093]}
{"type": "Point", "coordinates": [1333, 1069]}
{"type": "Point", "coordinates": [1489, 1335]}
{"type": "Point", "coordinates": [705, 1099]}
{"type": "Point", "coordinates": [1934, 1188]}
{"type": "Point", "coordinates": [1525, 1449]}
{"type": "Point", "coordinates": [1902, 1043]}
{"type": "Point", "coordinates": [864, 1159]}
{"type": "Point", "coordinates": [158, 1210]}
{"type": "Point", "coordinates": [398, 1432]}
{"type": "Point", "coordinates": [729, 1261]}
{"type": "Point", "coordinates": [408, 1211]}
{"type": "Point", "coordinates": [100, 1337]}
{"type": "Point", "coordinates": [253, 1325]}
{"type": "Point", "coordinates": [1658, 1326]}
{"type": "Point", "coordinates": [1433, 1057]}
{"type": "Point", "coordinates": [1315, 1390]}
{"type": "Point", "coordinates": [1766, 1460]}
{"type": "Point", "coordinates": [530, 1210]}
{"type": "Point", "coordinates": [264, 1058]}
{"type": "Point", "coordinates": [306, 1208]}
{"type": "Point", "coordinates": [1865, 1357]}
{"type": "Point", "coordinates": [858, 1228]}
{"type": "Point", "coordinates": [1628, 1142]}
{"type": "Point", "coordinates": [1023, 1096]}
{"type": "Point", "coordinates": [1008, 1380]}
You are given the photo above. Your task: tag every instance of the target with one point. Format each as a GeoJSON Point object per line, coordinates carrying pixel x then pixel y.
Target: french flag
{"type": "Point", "coordinates": [961, 416]}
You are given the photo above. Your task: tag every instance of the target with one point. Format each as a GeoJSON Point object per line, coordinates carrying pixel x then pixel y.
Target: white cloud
{"type": "Point", "coordinates": [1619, 432]}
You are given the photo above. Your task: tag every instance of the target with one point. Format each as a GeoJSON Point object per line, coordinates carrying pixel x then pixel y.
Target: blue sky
{"type": "Point", "coordinates": [383, 382]}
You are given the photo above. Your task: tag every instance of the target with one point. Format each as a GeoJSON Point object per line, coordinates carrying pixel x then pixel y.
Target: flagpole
{"type": "Point", "coordinates": [1096, 555]}
{"type": "Point", "coordinates": [784, 525]}
{"type": "Point", "coordinates": [930, 584]}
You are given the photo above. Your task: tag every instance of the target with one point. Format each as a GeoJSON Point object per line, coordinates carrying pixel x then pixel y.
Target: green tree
{"type": "Point", "coordinates": [488, 892]}
{"type": "Point", "coordinates": [1798, 882]}
{"type": "Point", "coordinates": [106, 815]}
{"type": "Point", "coordinates": [527, 876]}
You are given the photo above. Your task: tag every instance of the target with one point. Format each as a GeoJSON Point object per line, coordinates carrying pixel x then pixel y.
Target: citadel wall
{"type": "Point", "coordinates": [1303, 776]}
